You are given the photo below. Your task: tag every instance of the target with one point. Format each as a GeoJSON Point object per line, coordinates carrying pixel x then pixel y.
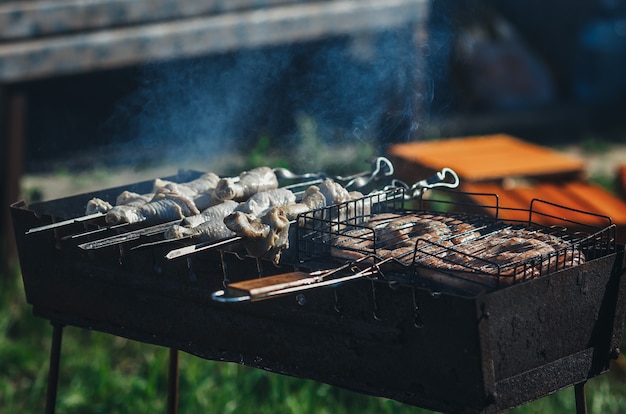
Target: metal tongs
{"type": "Point", "coordinates": [254, 290]}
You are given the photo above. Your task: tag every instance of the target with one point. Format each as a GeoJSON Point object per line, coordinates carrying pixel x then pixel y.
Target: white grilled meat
{"type": "Point", "coordinates": [208, 225]}
{"type": "Point", "coordinates": [268, 235]}
{"type": "Point", "coordinates": [248, 183]}
{"type": "Point", "coordinates": [165, 206]}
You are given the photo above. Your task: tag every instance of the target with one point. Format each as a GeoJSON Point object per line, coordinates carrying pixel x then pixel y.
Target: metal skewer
{"type": "Point", "coordinates": [151, 230]}
{"type": "Point", "coordinates": [381, 167]}
{"type": "Point", "coordinates": [65, 223]}
{"type": "Point", "coordinates": [128, 236]}
{"type": "Point", "coordinates": [195, 248]}
{"type": "Point", "coordinates": [444, 178]}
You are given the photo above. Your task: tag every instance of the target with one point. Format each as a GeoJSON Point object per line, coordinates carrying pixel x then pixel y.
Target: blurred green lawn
{"type": "Point", "coordinates": [101, 373]}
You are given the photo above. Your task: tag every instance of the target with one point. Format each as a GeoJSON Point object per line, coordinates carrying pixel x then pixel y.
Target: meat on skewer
{"type": "Point", "coordinates": [262, 201]}
{"type": "Point", "coordinates": [268, 235]}
{"type": "Point", "coordinates": [172, 201]}
{"type": "Point", "coordinates": [205, 182]}
{"type": "Point", "coordinates": [248, 183]}
{"type": "Point", "coordinates": [97, 205]}
{"type": "Point", "coordinates": [264, 235]}
{"type": "Point", "coordinates": [126, 198]}
{"type": "Point", "coordinates": [206, 226]}
{"type": "Point", "coordinates": [129, 198]}
{"type": "Point", "coordinates": [165, 206]}
{"type": "Point", "coordinates": [201, 225]}
{"type": "Point", "coordinates": [209, 224]}
{"type": "Point", "coordinates": [194, 189]}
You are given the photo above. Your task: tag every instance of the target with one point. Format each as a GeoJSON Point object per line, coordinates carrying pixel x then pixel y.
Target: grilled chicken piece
{"type": "Point", "coordinates": [262, 236]}
{"type": "Point", "coordinates": [268, 235]}
{"type": "Point", "coordinates": [248, 183]}
{"type": "Point", "coordinates": [201, 190]}
{"type": "Point", "coordinates": [311, 200]}
{"type": "Point", "coordinates": [126, 198]}
{"type": "Point", "coordinates": [165, 206]}
{"type": "Point", "coordinates": [129, 198]}
{"type": "Point", "coordinates": [206, 199]}
{"type": "Point", "coordinates": [97, 205]}
{"type": "Point", "coordinates": [194, 189]}
{"type": "Point", "coordinates": [203, 226]}
{"type": "Point", "coordinates": [260, 202]}
{"type": "Point", "coordinates": [205, 182]}
{"type": "Point", "coordinates": [206, 226]}
{"type": "Point", "coordinates": [334, 192]}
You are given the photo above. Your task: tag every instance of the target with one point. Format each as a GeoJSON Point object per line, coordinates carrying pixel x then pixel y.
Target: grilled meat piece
{"type": "Point", "coordinates": [261, 202]}
{"type": "Point", "coordinates": [334, 192]}
{"type": "Point", "coordinates": [390, 232]}
{"type": "Point", "coordinates": [311, 200]}
{"type": "Point", "coordinates": [165, 206]}
{"type": "Point", "coordinates": [126, 198]}
{"type": "Point", "coordinates": [206, 226]}
{"type": "Point", "coordinates": [264, 235]}
{"type": "Point", "coordinates": [206, 199]}
{"type": "Point", "coordinates": [205, 182]}
{"type": "Point", "coordinates": [209, 225]}
{"type": "Point", "coordinates": [268, 235]}
{"type": "Point", "coordinates": [248, 183]}
{"type": "Point", "coordinates": [129, 198]}
{"type": "Point", "coordinates": [97, 205]}
{"type": "Point", "coordinates": [448, 244]}
{"type": "Point", "coordinates": [198, 190]}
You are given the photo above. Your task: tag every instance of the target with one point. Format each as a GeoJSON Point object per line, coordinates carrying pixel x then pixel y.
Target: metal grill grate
{"type": "Point", "coordinates": [441, 243]}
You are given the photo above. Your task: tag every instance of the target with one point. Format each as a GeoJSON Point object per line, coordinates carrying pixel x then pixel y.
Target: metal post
{"type": "Point", "coordinates": [53, 373]}
{"type": "Point", "coordinates": [172, 390]}
{"type": "Point", "coordinates": [12, 137]}
{"type": "Point", "coordinates": [581, 398]}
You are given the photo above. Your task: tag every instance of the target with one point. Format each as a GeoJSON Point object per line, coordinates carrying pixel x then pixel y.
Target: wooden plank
{"type": "Point", "coordinates": [121, 47]}
{"type": "Point", "coordinates": [24, 19]}
{"type": "Point", "coordinates": [488, 157]}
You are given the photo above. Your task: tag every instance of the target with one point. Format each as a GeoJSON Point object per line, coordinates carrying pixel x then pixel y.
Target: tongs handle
{"type": "Point", "coordinates": [447, 177]}
{"type": "Point", "coordinates": [381, 167]}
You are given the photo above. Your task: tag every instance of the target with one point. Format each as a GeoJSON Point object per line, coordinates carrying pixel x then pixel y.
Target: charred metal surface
{"type": "Point", "coordinates": [393, 338]}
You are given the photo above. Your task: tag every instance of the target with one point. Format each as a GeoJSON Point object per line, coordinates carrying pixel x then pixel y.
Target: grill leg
{"type": "Point", "coordinates": [53, 373]}
{"type": "Point", "coordinates": [172, 390]}
{"type": "Point", "coordinates": [581, 398]}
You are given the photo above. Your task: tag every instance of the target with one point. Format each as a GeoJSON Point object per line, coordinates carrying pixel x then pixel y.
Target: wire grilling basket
{"type": "Point", "coordinates": [451, 243]}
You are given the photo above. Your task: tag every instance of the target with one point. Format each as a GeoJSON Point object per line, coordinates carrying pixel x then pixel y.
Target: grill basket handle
{"type": "Point", "coordinates": [447, 177]}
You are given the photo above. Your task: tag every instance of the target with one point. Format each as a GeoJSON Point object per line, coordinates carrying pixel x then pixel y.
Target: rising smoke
{"type": "Point", "coordinates": [364, 90]}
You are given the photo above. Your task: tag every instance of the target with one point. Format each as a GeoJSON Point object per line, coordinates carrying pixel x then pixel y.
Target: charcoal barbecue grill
{"type": "Point", "coordinates": [398, 330]}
